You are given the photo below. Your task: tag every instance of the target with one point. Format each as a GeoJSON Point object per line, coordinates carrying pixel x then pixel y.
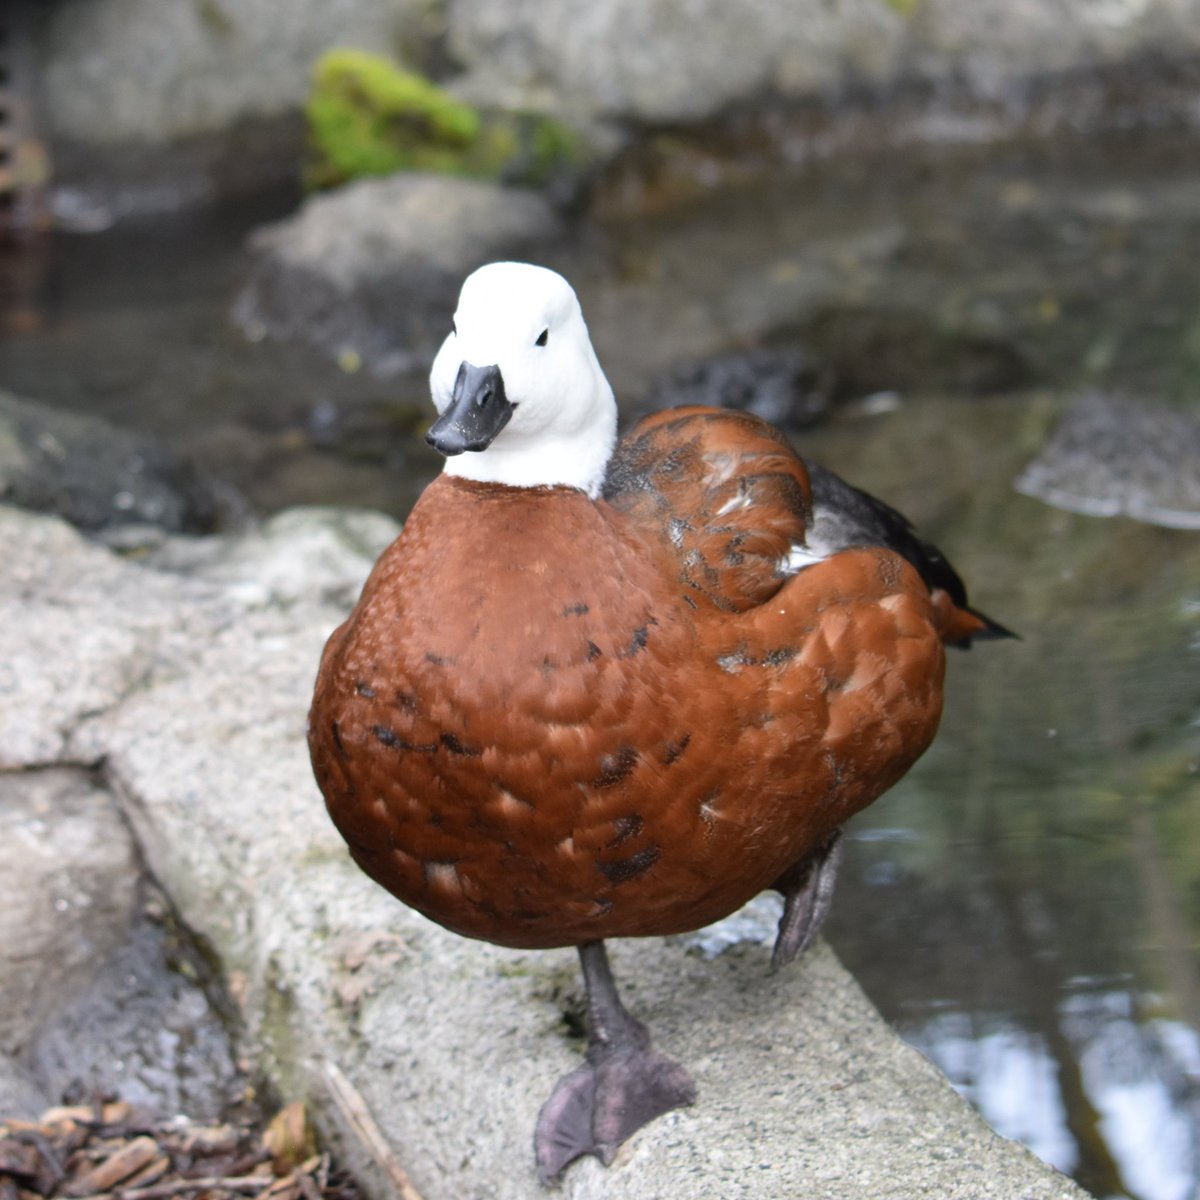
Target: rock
{"type": "Point", "coordinates": [781, 386]}
{"type": "Point", "coordinates": [370, 273]}
{"type": "Point", "coordinates": [625, 60]}
{"type": "Point", "coordinates": [145, 1029]}
{"type": "Point", "coordinates": [993, 45]}
{"type": "Point", "coordinates": [151, 107]}
{"type": "Point", "coordinates": [629, 60]}
{"type": "Point", "coordinates": [68, 886]}
{"type": "Point", "coordinates": [450, 1044]}
{"type": "Point", "coordinates": [152, 71]}
{"type": "Point", "coordinates": [20, 1096]}
{"type": "Point", "coordinates": [44, 693]}
{"type": "Point", "coordinates": [219, 85]}
{"type": "Point", "coordinates": [299, 554]}
{"type": "Point", "coordinates": [100, 477]}
{"type": "Point", "coordinates": [1114, 455]}
{"type": "Point", "coordinates": [92, 995]}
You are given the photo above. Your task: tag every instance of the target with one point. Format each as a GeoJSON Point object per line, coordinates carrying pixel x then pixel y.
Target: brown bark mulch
{"type": "Point", "coordinates": [111, 1152]}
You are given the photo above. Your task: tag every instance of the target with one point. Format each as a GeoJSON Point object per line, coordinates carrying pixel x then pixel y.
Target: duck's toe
{"type": "Point", "coordinates": [633, 1086]}
{"type": "Point", "coordinates": [600, 1104]}
{"type": "Point", "coordinates": [564, 1126]}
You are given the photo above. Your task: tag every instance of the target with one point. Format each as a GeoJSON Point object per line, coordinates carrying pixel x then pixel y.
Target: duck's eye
{"type": "Point", "coordinates": [543, 337]}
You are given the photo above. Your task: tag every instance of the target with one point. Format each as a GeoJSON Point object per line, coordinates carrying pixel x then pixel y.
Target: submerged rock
{"type": "Point", "coordinates": [194, 707]}
{"type": "Point", "coordinates": [100, 477]}
{"type": "Point", "coordinates": [784, 387]}
{"type": "Point", "coordinates": [370, 273]}
{"type": "Point", "coordinates": [1114, 455]}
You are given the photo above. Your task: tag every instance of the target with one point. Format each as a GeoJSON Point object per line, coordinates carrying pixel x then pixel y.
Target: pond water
{"type": "Point", "coordinates": [1025, 905]}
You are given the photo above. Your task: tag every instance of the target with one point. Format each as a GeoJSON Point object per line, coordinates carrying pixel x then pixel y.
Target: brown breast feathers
{"type": "Point", "coordinates": [551, 719]}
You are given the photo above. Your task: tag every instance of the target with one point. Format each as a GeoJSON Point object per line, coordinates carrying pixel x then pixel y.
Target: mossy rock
{"type": "Point", "coordinates": [368, 116]}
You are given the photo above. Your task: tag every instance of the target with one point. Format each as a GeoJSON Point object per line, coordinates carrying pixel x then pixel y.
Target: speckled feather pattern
{"type": "Point", "coordinates": [551, 719]}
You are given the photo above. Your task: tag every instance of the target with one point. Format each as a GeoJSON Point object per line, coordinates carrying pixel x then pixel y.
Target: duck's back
{"type": "Point", "coordinates": [550, 720]}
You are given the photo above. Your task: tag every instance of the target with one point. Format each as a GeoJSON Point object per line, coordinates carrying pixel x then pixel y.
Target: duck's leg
{"type": "Point", "coordinates": [807, 893]}
{"type": "Point", "coordinates": [623, 1084]}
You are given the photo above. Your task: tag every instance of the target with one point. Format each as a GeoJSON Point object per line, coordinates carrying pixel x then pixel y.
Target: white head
{"type": "Point", "coordinates": [522, 398]}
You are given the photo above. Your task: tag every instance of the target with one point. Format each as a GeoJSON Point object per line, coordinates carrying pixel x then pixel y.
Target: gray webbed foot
{"type": "Point", "coordinates": [807, 894]}
{"type": "Point", "coordinates": [624, 1083]}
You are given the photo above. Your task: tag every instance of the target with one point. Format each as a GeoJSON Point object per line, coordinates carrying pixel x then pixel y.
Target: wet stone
{"type": "Point", "coordinates": [341, 274]}
{"type": "Point", "coordinates": [99, 990]}
{"type": "Point", "coordinates": [1114, 455]}
{"type": "Point", "coordinates": [786, 386]}
{"type": "Point", "coordinates": [100, 477]}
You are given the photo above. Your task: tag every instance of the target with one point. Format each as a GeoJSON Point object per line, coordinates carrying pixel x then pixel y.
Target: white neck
{"type": "Point", "coordinates": [577, 461]}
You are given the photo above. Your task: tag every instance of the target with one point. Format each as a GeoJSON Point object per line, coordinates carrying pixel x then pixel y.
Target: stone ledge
{"type": "Point", "coordinates": [195, 704]}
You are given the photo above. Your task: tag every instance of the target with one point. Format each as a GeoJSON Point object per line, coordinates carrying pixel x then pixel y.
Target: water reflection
{"type": "Point", "coordinates": [1024, 906]}
{"type": "Point", "coordinates": [1131, 1072]}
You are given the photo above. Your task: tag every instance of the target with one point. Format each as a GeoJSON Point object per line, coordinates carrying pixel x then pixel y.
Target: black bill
{"type": "Point", "coordinates": [477, 411]}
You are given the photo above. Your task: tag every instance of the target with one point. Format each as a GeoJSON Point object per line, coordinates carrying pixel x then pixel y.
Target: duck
{"type": "Point", "coordinates": [611, 689]}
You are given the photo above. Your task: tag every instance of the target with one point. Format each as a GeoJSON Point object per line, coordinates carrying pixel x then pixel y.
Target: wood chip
{"type": "Point", "coordinates": [209, 1140]}
{"type": "Point", "coordinates": [151, 1173]}
{"type": "Point", "coordinates": [283, 1189]}
{"type": "Point", "coordinates": [116, 1112]}
{"type": "Point", "coordinates": [110, 1152]}
{"type": "Point", "coordinates": [19, 1158]}
{"type": "Point", "coordinates": [249, 1184]}
{"type": "Point", "coordinates": [130, 1159]}
{"type": "Point", "coordinates": [290, 1138]}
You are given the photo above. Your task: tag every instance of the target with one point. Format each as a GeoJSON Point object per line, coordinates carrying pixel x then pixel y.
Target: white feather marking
{"type": "Point", "coordinates": [443, 875]}
{"type": "Point", "coordinates": [799, 557]}
{"type": "Point", "coordinates": [512, 806]}
{"type": "Point", "coordinates": [734, 504]}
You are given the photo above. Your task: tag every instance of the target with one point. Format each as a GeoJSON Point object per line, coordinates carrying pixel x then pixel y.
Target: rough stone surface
{"type": "Point", "coordinates": [89, 999]}
{"type": "Point", "coordinates": [1120, 456]}
{"type": "Point", "coordinates": [68, 878]}
{"type": "Point", "coordinates": [342, 273]}
{"type": "Point", "coordinates": [688, 60]}
{"type": "Point", "coordinates": [130, 70]}
{"type": "Point", "coordinates": [452, 1044]}
{"type": "Point", "coordinates": [145, 1029]}
{"type": "Point", "coordinates": [20, 1095]}
{"type": "Point", "coordinates": [667, 60]}
{"type": "Point", "coordinates": [991, 44]}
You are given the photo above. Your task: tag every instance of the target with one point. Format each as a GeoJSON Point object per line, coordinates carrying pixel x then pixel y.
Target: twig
{"type": "Point", "coordinates": [354, 1109]}
{"type": "Point", "coordinates": [162, 1191]}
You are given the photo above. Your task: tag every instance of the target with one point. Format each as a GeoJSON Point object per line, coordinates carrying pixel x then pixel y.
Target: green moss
{"type": "Point", "coordinates": [367, 116]}
{"type": "Point", "coordinates": [905, 8]}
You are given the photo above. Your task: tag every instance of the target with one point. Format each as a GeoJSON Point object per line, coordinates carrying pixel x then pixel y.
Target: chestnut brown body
{"type": "Point", "coordinates": [551, 719]}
